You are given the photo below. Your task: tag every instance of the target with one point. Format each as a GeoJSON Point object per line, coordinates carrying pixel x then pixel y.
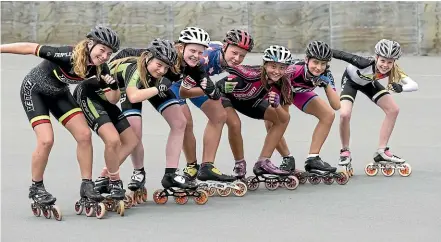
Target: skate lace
{"type": "Point", "coordinates": [137, 176]}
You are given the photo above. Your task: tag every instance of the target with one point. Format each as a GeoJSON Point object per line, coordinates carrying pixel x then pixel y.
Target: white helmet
{"type": "Point", "coordinates": [194, 35]}
{"type": "Point", "coordinates": [277, 53]}
{"type": "Point", "coordinates": [388, 49]}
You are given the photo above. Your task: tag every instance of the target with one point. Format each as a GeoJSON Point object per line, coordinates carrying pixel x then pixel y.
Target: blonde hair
{"type": "Point", "coordinates": [141, 66]}
{"type": "Point", "coordinates": [285, 89]}
{"type": "Point", "coordinates": [180, 58]}
{"type": "Point", "coordinates": [80, 58]}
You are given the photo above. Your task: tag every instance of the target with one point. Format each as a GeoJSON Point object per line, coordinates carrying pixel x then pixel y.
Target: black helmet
{"type": "Point", "coordinates": [105, 36]}
{"type": "Point", "coordinates": [319, 50]}
{"type": "Point", "coordinates": [163, 50]}
{"type": "Point", "coordinates": [240, 38]}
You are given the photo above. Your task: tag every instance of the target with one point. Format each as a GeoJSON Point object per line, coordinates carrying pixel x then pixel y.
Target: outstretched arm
{"type": "Point", "coordinates": [21, 48]}
{"type": "Point", "coordinates": [355, 60]}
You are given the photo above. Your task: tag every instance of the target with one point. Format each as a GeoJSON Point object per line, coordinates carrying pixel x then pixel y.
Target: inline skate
{"type": "Point", "coordinates": [137, 193]}
{"type": "Point", "coordinates": [317, 170]}
{"type": "Point", "coordinates": [387, 163]}
{"type": "Point", "coordinates": [180, 188]}
{"type": "Point", "coordinates": [44, 202]}
{"type": "Point", "coordinates": [212, 180]}
{"type": "Point", "coordinates": [114, 194]}
{"type": "Point", "coordinates": [90, 200]}
{"type": "Point", "coordinates": [346, 161]}
{"type": "Point", "coordinates": [289, 164]}
{"type": "Point", "coordinates": [273, 177]}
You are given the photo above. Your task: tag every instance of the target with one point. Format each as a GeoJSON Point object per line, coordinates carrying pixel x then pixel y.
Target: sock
{"type": "Point", "coordinates": [262, 158]}
{"type": "Point", "coordinates": [312, 155]}
{"type": "Point", "coordinates": [287, 156]}
{"type": "Point", "coordinates": [239, 160]}
{"type": "Point", "coordinates": [85, 179]}
{"type": "Point", "coordinates": [381, 150]}
{"type": "Point", "coordinates": [170, 170]}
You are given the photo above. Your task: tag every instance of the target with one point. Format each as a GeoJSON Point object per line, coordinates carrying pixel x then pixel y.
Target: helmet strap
{"type": "Point", "coordinates": [89, 50]}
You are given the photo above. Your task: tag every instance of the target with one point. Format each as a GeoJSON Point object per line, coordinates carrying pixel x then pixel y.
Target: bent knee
{"type": "Point", "coordinates": [112, 142]}
{"type": "Point", "coordinates": [83, 136]}
{"type": "Point", "coordinates": [46, 142]}
{"type": "Point", "coordinates": [219, 117]}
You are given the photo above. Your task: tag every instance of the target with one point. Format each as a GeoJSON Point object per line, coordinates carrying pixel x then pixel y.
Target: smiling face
{"type": "Point", "coordinates": [100, 54]}
{"type": "Point", "coordinates": [234, 55]}
{"type": "Point", "coordinates": [316, 67]}
{"type": "Point", "coordinates": [192, 54]}
{"type": "Point", "coordinates": [157, 68]}
{"type": "Point", "coordinates": [384, 65]}
{"type": "Point", "coordinates": [275, 70]}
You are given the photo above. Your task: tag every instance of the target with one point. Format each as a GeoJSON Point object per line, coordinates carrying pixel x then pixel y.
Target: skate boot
{"type": "Point", "coordinates": [137, 193]}
{"type": "Point", "coordinates": [181, 189]}
{"type": "Point", "coordinates": [273, 177]}
{"type": "Point", "coordinates": [346, 161]}
{"type": "Point", "coordinates": [212, 181]}
{"type": "Point", "coordinates": [240, 169]}
{"type": "Point", "coordinates": [385, 161]}
{"type": "Point", "coordinates": [102, 184]}
{"type": "Point", "coordinates": [191, 172]}
{"type": "Point", "coordinates": [90, 199]}
{"type": "Point", "coordinates": [114, 199]}
{"type": "Point", "coordinates": [318, 170]}
{"type": "Point", "coordinates": [44, 202]}
{"type": "Point", "coordinates": [289, 164]}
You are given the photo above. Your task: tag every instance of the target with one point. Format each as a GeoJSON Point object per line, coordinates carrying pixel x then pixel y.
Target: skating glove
{"type": "Point", "coordinates": [274, 99]}
{"type": "Point", "coordinates": [210, 89]}
{"type": "Point", "coordinates": [322, 81]}
{"type": "Point", "coordinates": [396, 87]}
{"type": "Point", "coordinates": [163, 85]}
{"type": "Point", "coordinates": [110, 82]}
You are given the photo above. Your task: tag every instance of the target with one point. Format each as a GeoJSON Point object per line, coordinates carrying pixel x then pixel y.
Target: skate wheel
{"type": "Point", "coordinates": [314, 180]}
{"type": "Point", "coordinates": [120, 208]}
{"type": "Point", "coordinates": [181, 199]}
{"type": "Point", "coordinates": [224, 192]}
{"type": "Point", "coordinates": [159, 197]}
{"type": "Point", "coordinates": [300, 176]}
{"type": "Point", "coordinates": [211, 191]}
{"type": "Point", "coordinates": [252, 183]}
{"type": "Point", "coordinates": [128, 201]}
{"type": "Point", "coordinates": [144, 194]}
{"type": "Point", "coordinates": [405, 170]}
{"type": "Point", "coordinates": [47, 213]}
{"type": "Point", "coordinates": [342, 178]}
{"type": "Point", "coordinates": [291, 183]}
{"type": "Point", "coordinates": [100, 210]}
{"type": "Point", "coordinates": [57, 213]}
{"type": "Point", "coordinates": [242, 189]}
{"type": "Point", "coordinates": [330, 180]}
{"type": "Point", "coordinates": [371, 169]}
{"type": "Point", "coordinates": [78, 208]}
{"type": "Point", "coordinates": [138, 197]}
{"type": "Point", "coordinates": [388, 171]}
{"type": "Point", "coordinates": [271, 184]}
{"type": "Point", "coordinates": [89, 211]}
{"type": "Point", "coordinates": [35, 210]}
{"type": "Point", "coordinates": [201, 198]}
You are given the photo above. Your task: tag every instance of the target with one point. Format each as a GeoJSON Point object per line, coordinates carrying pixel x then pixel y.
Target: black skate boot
{"type": "Point", "coordinates": [319, 170]}
{"type": "Point", "coordinates": [180, 188]}
{"type": "Point", "coordinates": [102, 185]}
{"type": "Point", "coordinates": [44, 202]}
{"type": "Point", "coordinates": [90, 199]}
